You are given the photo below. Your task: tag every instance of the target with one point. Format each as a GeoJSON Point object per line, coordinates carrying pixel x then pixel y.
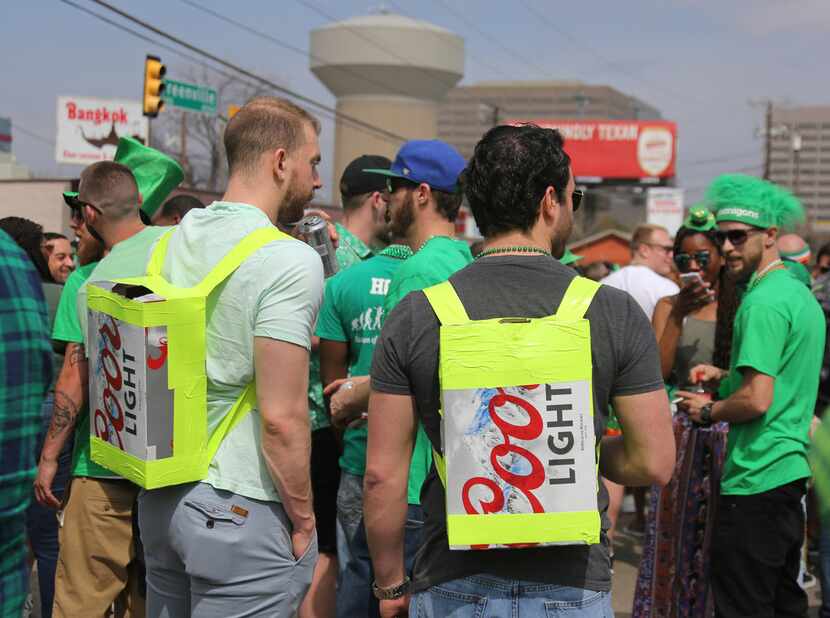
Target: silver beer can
{"type": "Point", "coordinates": [316, 232]}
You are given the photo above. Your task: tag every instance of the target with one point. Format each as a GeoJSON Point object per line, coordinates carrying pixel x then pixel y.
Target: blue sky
{"type": "Point", "coordinates": [698, 61]}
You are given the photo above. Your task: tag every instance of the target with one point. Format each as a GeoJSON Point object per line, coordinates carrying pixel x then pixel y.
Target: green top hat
{"type": "Point", "coordinates": [155, 173]}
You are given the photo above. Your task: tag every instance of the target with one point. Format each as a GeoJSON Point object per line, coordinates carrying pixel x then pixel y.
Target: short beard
{"type": "Point", "coordinates": [404, 217]}
{"type": "Point", "coordinates": [293, 208]}
{"type": "Point", "coordinates": [749, 269]}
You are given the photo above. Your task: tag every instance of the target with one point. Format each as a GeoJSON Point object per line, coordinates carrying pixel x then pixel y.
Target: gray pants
{"type": "Point", "coordinates": [211, 553]}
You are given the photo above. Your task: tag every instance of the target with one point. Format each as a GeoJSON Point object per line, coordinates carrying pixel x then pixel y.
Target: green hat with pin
{"type": "Point", "coordinates": [700, 219]}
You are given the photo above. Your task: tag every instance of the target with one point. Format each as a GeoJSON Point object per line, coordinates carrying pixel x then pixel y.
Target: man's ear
{"type": "Point", "coordinates": [770, 237]}
{"type": "Point", "coordinates": [140, 198]}
{"type": "Point", "coordinates": [422, 194]}
{"type": "Point", "coordinates": [549, 206]}
{"type": "Point", "coordinates": [279, 162]}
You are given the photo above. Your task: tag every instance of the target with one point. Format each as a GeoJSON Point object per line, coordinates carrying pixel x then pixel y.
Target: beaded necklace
{"type": "Point", "coordinates": [423, 244]}
{"type": "Point", "coordinates": [399, 252]}
{"type": "Point", "coordinates": [517, 249]}
{"type": "Point", "coordinates": [756, 278]}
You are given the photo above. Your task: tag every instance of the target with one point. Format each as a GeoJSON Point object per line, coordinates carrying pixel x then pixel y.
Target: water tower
{"type": "Point", "coordinates": [387, 70]}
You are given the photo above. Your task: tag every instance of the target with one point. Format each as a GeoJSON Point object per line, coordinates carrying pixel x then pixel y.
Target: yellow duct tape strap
{"type": "Point", "coordinates": [183, 313]}
{"type": "Point", "coordinates": [503, 529]}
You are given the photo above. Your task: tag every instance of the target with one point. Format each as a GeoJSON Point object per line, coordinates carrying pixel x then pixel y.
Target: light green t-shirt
{"type": "Point", "coordinates": [352, 312]}
{"type": "Point", "coordinates": [436, 261]}
{"type": "Point", "coordinates": [126, 259]}
{"type": "Point", "coordinates": [350, 251]}
{"type": "Point", "coordinates": [779, 331]}
{"type": "Point", "coordinates": [275, 293]}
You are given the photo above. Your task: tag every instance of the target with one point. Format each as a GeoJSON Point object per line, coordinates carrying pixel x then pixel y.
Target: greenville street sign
{"type": "Point", "coordinates": [190, 97]}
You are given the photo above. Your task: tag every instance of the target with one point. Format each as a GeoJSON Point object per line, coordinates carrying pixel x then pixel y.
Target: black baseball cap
{"type": "Point", "coordinates": [355, 180]}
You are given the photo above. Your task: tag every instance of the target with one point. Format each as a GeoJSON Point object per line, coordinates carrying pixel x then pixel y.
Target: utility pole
{"type": "Point", "coordinates": [183, 143]}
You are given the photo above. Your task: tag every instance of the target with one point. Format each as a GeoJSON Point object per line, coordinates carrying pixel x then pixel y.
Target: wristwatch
{"type": "Point", "coordinates": [393, 592]}
{"type": "Point", "coordinates": [706, 414]}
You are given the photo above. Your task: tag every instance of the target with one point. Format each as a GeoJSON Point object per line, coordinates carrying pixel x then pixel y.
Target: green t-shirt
{"type": "Point", "coordinates": [779, 331]}
{"type": "Point", "coordinates": [126, 259]}
{"type": "Point", "coordinates": [350, 251]}
{"type": "Point", "coordinates": [352, 312]}
{"type": "Point", "coordinates": [68, 328]}
{"type": "Point", "coordinates": [436, 261]}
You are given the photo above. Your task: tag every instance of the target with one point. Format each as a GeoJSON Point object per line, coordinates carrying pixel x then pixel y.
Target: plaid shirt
{"type": "Point", "coordinates": [25, 375]}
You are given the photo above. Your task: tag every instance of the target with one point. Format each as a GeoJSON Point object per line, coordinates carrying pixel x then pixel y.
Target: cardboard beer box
{"type": "Point", "coordinates": [130, 402]}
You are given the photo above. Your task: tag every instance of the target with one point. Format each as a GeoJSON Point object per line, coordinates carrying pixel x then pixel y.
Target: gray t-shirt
{"type": "Point", "coordinates": [625, 362]}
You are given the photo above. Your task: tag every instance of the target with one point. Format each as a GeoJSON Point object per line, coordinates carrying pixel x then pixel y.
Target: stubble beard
{"type": "Point", "coordinates": [403, 218]}
{"type": "Point", "coordinates": [293, 207]}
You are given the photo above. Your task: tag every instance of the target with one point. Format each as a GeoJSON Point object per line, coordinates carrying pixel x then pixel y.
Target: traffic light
{"type": "Point", "coordinates": [154, 71]}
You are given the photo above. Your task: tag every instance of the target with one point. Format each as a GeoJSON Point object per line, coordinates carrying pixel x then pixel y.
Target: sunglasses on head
{"type": "Point", "coordinates": [735, 237]}
{"type": "Point", "coordinates": [77, 209]}
{"type": "Point", "coordinates": [684, 260]}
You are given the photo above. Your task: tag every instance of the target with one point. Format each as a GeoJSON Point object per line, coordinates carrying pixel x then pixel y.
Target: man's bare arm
{"type": "Point", "coordinates": [752, 400]}
{"type": "Point", "coordinates": [392, 426]}
{"type": "Point", "coordinates": [282, 394]}
{"type": "Point", "coordinates": [645, 453]}
{"type": "Point", "coordinates": [70, 398]}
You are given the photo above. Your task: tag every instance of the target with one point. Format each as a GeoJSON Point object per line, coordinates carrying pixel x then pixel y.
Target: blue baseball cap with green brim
{"type": "Point", "coordinates": [432, 162]}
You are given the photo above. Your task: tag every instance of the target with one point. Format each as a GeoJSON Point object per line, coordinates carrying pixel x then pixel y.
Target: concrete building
{"type": "Point", "coordinates": [800, 160]}
{"type": "Point", "coordinates": [468, 111]}
{"type": "Point", "coordinates": [389, 71]}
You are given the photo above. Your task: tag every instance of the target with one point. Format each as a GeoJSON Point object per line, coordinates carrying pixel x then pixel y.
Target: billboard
{"type": "Point", "coordinates": [617, 149]}
{"type": "Point", "coordinates": [665, 207]}
{"type": "Point", "coordinates": [89, 129]}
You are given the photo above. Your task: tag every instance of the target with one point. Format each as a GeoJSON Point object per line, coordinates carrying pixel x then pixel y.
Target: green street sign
{"type": "Point", "coordinates": [190, 97]}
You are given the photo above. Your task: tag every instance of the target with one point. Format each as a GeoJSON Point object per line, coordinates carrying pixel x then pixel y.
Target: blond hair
{"type": "Point", "coordinates": [264, 124]}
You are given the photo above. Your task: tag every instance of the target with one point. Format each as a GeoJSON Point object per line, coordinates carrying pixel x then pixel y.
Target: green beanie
{"type": "Point", "coordinates": [756, 202]}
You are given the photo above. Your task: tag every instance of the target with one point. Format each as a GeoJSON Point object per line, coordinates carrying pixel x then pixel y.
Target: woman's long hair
{"type": "Point", "coordinates": [728, 300]}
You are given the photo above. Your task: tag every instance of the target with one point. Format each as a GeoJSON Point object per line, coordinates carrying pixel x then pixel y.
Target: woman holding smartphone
{"type": "Point", "coordinates": [692, 327]}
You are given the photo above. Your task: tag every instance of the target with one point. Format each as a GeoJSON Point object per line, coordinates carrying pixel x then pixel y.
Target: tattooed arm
{"type": "Point", "coordinates": [70, 397]}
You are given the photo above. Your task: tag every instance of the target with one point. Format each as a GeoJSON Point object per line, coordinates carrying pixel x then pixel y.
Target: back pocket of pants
{"type": "Point", "coordinates": [438, 602]}
{"type": "Point", "coordinates": [588, 604]}
{"type": "Point", "coordinates": [215, 514]}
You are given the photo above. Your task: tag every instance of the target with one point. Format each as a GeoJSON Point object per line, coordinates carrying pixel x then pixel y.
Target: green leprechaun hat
{"type": "Point", "coordinates": [155, 173]}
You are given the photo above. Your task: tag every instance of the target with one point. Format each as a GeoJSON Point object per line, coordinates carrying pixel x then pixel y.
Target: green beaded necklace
{"type": "Point", "coordinates": [517, 249]}
{"type": "Point", "coordinates": [400, 252]}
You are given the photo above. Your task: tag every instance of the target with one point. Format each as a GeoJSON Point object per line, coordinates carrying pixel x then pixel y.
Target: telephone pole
{"type": "Point", "coordinates": [767, 140]}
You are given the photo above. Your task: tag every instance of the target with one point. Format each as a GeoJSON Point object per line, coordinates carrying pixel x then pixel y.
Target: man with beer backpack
{"type": "Point", "coordinates": [514, 403]}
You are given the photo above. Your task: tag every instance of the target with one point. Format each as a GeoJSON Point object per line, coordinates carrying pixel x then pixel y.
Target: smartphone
{"type": "Point", "coordinates": [690, 278]}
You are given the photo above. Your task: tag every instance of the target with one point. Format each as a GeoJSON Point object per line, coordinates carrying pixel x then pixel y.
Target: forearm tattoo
{"type": "Point", "coordinates": [76, 354]}
{"type": "Point", "coordinates": [64, 415]}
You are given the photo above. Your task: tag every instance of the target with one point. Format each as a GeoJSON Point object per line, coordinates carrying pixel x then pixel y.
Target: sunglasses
{"type": "Point", "coordinates": [684, 260]}
{"type": "Point", "coordinates": [393, 184]}
{"type": "Point", "coordinates": [735, 237]}
{"type": "Point", "coordinates": [76, 209]}
{"type": "Point", "coordinates": [576, 198]}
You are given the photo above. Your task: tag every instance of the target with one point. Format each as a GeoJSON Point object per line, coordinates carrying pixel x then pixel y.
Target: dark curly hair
{"type": "Point", "coordinates": [728, 300]}
{"type": "Point", "coordinates": [29, 236]}
{"type": "Point", "coordinates": [508, 174]}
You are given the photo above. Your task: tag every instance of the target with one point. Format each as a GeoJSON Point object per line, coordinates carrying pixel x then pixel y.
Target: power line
{"type": "Point", "coordinates": [373, 43]}
{"type": "Point", "coordinates": [383, 133]}
{"type": "Point", "coordinates": [282, 44]}
{"type": "Point", "coordinates": [721, 159]}
{"type": "Point", "coordinates": [457, 45]}
{"type": "Point", "coordinates": [611, 64]}
{"type": "Point", "coordinates": [16, 127]}
{"type": "Point", "coordinates": [495, 41]}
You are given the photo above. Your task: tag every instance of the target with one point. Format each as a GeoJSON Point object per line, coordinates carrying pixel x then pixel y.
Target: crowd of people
{"type": "Point", "coordinates": [432, 430]}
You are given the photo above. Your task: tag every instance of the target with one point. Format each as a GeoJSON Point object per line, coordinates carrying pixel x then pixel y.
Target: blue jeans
{"type": "Point", "coordinates": [483, 596]}
{"type": "Point", "coordinates": [42, 521]}
{"type": "Point", "coordinates": [354, 581]}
